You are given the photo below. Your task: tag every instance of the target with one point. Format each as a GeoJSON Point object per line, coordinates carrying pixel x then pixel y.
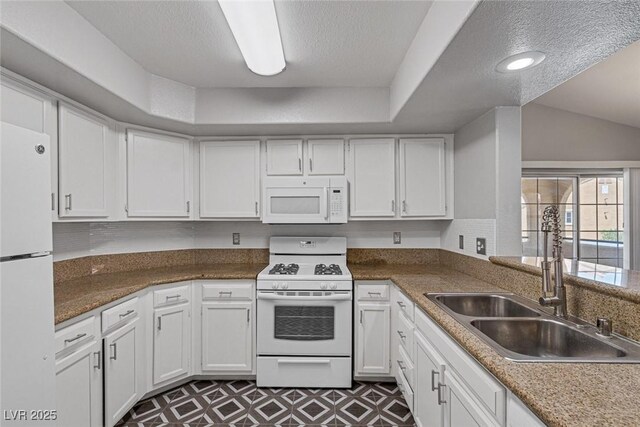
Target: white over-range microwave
{"type": "Point", "coordinates": [305, 200]}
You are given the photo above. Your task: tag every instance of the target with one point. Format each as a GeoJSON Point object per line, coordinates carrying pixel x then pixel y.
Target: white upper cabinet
{"type": "Point", "coordinates": [284, 157]}
{"type": "Point", "coordinates": [158, 175]}
{"type": "Point", "coordinates": [325, 156]}
{"type": "Point", "coordinates": [372, 177]}
{"type": "Point", "coordinates": [83, 152]}
{"type": "Point", "coordinates": [229, 179]}
{"type": "Point", "coordinates": [23, 107]}
{"type": "Point", "coordinates": [422, 177]}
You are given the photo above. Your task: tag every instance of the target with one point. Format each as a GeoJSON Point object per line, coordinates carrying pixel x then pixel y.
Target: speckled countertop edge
{"type": "Point", "coordinates": [626, 293]}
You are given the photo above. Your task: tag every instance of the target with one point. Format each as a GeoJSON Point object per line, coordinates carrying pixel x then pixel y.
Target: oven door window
{"type": "Point", "coordinates": [304, 323]}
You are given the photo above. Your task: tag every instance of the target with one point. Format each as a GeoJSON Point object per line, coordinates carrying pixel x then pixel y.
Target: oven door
{"type": "Point", "coordinates": [304, 323]}
{"type": "Point", "coordinates": [296, 205]}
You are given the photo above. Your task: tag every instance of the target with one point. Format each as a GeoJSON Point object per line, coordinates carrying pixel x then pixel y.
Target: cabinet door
{"type": "Point", "coordinates": [422, 177]}
{"type": "Point", "coordinates": [326, 156]}
{"type": "Point", "coordinates": [121, 372]}
{"type": "Point", "coordinates": [227, 336]}
{"type": "Point", "coordinates": [284, 157]}
{"type": "Point", "coordinates": [372, 344]}
{"type": "Point", "coordinates": [158, 175]}
{"type": "Point", "coordinates": [429, 367]}
{"type": "Point", "coordinates": [82, 146]}
{"type": "Point", "coordinates": [229, 179]}
{"type": "Point", "coordinates": [171, 342]}
{"type": "Point", "coordinates": [460, 409]}
{"type": "Point", "coordinates": [79, 388]}
{"type": "Point", "coordinates": [372, 177]}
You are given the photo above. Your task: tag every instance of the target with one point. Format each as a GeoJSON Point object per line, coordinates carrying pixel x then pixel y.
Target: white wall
{"type": "Point", "coordinates": [487, 184]}
{"type": "Point", "coordinates": [550, 134]}
{"type": "Point", "coordinates": [72, 240]}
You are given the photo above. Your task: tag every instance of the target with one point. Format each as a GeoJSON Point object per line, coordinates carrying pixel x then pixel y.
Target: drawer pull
{"type": "Point", "coordinates": [221, 293]}
{"type": "Point", "coordinates": [170, 297]}
{"type": "Point", "coordinates": [159, 323]}
{"type": "Point", "coordinates": [401, 365]}
{"type": "Point", "coordinates": [440, 399]}
{"type": "Point", "coordinates": [401, 304]}
{"type": "Point", "coordinates": [114, 353]}
{"type": "Point", "coordinates": [402, 336]}
{"type": "Point", "coordinates": [76, 338]}
{"type": "Point", "coordinates": [98, 364]}
{"type": "Point", "coordinates": [248, 315]}
{"type": "Point", "coordinates": [433, 379]}
{"type": "Point", "coordinates": [127, 313]}
{"type": "Point", "coordinates": [378, 294]}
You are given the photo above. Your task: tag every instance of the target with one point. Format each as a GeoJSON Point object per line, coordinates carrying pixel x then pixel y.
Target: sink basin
{"type": "Point", "coordinates": [485, 305]}
{"type": "Point", "coordinates": [545, 338]}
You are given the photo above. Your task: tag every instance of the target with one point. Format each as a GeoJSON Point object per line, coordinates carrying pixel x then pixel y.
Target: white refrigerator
{"type": "Point", "coordinates": [27, 365]}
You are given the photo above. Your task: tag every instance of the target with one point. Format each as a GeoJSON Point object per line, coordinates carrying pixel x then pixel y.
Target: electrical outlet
{"type": "Point", "coordinates": [236, 238]}
{"type": "Point", "coordinates": [481, 246]}
{"type": "Point", "coordinates": [460, 241]}
{"type": "Point", "coordinates": [397, 237]}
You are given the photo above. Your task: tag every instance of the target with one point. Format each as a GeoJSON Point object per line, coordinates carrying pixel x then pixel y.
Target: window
{"type": "Point", "coordinates": [591, 213]}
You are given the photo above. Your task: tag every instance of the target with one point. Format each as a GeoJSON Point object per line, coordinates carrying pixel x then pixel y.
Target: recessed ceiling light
{"type": "Point", "coordinates": [255, 27]}
{"type": "Point", "coordinates": [520, 61]}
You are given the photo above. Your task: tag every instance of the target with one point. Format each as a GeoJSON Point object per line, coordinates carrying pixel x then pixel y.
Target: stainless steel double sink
{"type": "Point", "coordinates": [521, 331]}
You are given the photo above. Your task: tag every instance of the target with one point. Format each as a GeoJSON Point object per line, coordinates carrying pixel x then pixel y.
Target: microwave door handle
{"type": "Point", "coordinates": [326, 194]}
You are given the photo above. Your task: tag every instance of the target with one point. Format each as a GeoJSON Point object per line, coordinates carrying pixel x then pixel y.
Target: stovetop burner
{"type": "Point", "coordinates": [289, 269]}
{"type": "Point", "coordinates": [331, 269]}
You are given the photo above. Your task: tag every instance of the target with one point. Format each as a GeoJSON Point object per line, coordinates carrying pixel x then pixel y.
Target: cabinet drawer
{"type": "Point", "coordinates": [406, 305]}
{"type": "Point", "coordinates": [175, 295]}
{"type": "Point", "coordinates": [405, 364]}
{"type": "Point", "coordinates": [405, 333]}
{"type": "Point", "coordinates": [405, 389]}
{"type": "Point", "coordinates": [372, 291]}
{"type": "Point", "coordinates": [488, 391]}
{"type": "Point", "coordinates": [121, 313]}
{"type": "Point", "coordinates": [227, 290]}
{"type": "Point", "coordinates": [75, 334]}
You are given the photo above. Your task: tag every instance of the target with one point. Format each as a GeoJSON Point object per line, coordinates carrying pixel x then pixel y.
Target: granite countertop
{"type": "Point", "coordinates": [617, 282]}
{"type": "Point", "coordinates": [81, 295]}
{"type": "Point", "coordinates": [561, 394]}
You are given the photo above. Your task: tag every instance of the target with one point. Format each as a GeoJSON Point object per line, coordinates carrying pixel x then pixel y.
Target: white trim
{"type": "Point", "coordinates": [551, 164]}
{"type": "Point", "coordinates": [631, 219]}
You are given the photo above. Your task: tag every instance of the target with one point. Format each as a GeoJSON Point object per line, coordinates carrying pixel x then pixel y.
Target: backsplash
{"type": "Point", "coordinates": [470, 229]}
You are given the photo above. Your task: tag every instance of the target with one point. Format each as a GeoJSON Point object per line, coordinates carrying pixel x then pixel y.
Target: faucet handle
{"type": "Point", "coordinates": [604, 326]}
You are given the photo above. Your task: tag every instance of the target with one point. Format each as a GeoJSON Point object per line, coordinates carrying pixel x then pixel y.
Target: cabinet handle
{"type": "Point", "coordinates": [393, 206]}
{"type": "Point", "coordinates": [401, 365]}
{"type": "Point", "coordinates": [248, 315]}
{"type": "Point", "coordinates": [53, 201]}
{"type": "Point", "coordinates": [173, 297]}
{"type": "Point", "coordinates": [299, 164]}
{"type": "Point", "coordinates": [378, 294]}
{"type": "Point", "coordinates": [402, 336]}
{"type": "Point", "coordinates": [98, 359]}
{"type": "Point", "coordinates": [433, 379]}
{"type": "Point", "coordinates": [440, 399]}
{"type": "Point", "coordinates": [188, 206]}
{"type": "Point", "coordinates": [159, 323]}
{"type": "Point", "coordinates": [229, 293]}
{"type": "Point", "coordinates": [404, 206]}
{"type": "Point", "coordinates": [256, 208]}
{"type": "Point", "coordinates": [310, 164]}
{"type": "Point", "coordinates": [67, 202]}
{"type": "Point", "coordinates": [127, 313]}
{"type": "Point", "coordinates": [360, 316]}
{"type": "Point", "coordinates": [114, 354]}
{"type": "Point", "coordinates": [401, 304]}
{"type": "Point", "coordinates": [76, 338]}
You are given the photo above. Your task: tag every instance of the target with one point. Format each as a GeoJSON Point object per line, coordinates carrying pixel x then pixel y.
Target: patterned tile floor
{"type": "Point", "coordinates": [242, 404]}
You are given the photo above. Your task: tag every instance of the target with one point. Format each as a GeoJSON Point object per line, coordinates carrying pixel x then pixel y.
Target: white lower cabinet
{"type": "Point", "coordinates": [429, 366]}
{"type": "Point", "coordinates": [372, 335]}
{"type": "Point", "coordinates": [460, 410]}
{"type": "Point", "coordinates": [227, 336]}
{"type": "Point", "coordinates": [171, 342]}
{"type": "Point", "coordinates": [121, 366]}
{"type": "Point", "coordinates": [79, 387]}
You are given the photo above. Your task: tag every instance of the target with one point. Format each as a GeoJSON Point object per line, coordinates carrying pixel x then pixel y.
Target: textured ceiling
{"type": "Point", "coordinates": [326, 43]}
{"type": "Point", "coordinates": [609, 90]}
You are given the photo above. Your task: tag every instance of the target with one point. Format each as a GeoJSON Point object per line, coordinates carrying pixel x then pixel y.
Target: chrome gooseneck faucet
{"type": "Point", "coordinates": [558, 299]}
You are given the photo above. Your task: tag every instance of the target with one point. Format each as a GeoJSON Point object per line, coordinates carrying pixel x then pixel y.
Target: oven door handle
{"type": "Point", "coordinates": [273, 296]}
{"type": "Point", "coordinates": [304, 361]}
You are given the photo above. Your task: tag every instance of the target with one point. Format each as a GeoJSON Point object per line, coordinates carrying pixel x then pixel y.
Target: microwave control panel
{"type": "Point", "coordinates": [336, 201]}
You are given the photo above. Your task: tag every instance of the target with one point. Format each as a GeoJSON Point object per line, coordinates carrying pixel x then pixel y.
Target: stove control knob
{"type": "Point", "coordinates": [323, 286]}
{"type": "Point", "coordinates": [333, 285]}
{"type": "Point", "coordinates": [284, 285]}
{"type": "Point", "coordinates": [275, 285]}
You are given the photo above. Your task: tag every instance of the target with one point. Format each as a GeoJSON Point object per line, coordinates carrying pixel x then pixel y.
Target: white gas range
{"type": "Point", "coordinates": [305, 309]}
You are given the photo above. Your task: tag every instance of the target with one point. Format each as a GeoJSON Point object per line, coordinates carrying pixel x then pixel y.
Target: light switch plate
{"type": "Point", "coordinates": [460, 241]}
{"type": "Point", "coordinates": [397, 237]}
{"type": "Point", "coordinates": [481, 246]}
{"type": "Point", "coordinates": [236, 238]}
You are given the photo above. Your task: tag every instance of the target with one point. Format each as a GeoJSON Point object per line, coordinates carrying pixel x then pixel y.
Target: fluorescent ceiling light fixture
{"type": "Point", "coordinates": [520, 61]}
{"type": "Point", "coordinates": [255, 27]}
